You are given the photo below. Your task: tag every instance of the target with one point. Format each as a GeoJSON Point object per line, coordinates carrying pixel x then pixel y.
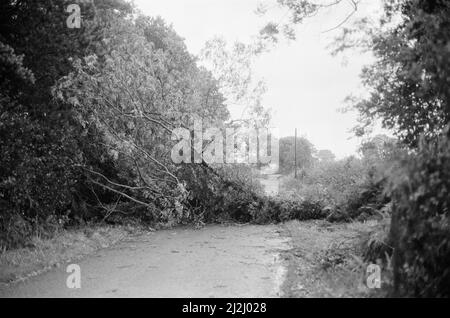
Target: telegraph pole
{"type": "Point", "coordinates": [295, 154]}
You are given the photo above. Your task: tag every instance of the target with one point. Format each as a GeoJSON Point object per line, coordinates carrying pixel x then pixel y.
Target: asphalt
{"type": "Point", "coordinates": [215, 261]}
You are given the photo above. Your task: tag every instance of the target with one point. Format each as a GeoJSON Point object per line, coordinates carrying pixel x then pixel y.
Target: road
{"type": "Point", "coordinates": [215, 261]}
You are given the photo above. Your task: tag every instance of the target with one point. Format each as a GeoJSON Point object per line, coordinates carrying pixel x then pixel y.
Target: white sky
{"type": "Point", "coordinates": [306, 85]}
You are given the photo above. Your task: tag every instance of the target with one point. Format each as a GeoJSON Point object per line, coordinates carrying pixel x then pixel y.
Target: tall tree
{"type": "Point", "coordinates": [305, 151]}
{"type": "Point", "coordinates": [408, 82]}
{"type": "Point", "coordinates": [146, 87]}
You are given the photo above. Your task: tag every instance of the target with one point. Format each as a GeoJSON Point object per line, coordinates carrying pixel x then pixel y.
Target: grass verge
{"type": "Point", "coordinates": [66, 245]}
{"type": "Point", "coordinates": [326, 260]}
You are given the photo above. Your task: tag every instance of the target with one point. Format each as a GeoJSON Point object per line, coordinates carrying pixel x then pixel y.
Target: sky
{"type": "Point", "coordinates": [306, 85]}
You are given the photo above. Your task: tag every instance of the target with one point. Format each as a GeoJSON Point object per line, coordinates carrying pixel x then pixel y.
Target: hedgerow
{"type": "Point", "coordinates": [420, 229]}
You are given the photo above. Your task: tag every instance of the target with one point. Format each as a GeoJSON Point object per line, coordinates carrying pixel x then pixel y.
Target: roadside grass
{"type": "Point", "coordinates": [326, 260]}
{"type": "Point", "coordinates": [64, 246]}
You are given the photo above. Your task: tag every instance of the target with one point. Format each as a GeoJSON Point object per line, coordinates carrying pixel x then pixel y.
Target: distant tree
{"type": "Point", "coordinates": [305, 151]}
{"type": "Point", "coordinates": [325, 155]}
{"type": "Point", "coordinates": [380, 147]}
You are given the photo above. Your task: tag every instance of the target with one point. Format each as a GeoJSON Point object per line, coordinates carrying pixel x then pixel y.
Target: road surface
{"type": "Point", "coordinates": [215, 261]}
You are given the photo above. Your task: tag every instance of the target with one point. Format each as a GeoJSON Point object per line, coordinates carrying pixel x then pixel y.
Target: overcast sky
{"type": "Point", "coordinates": [306, 85]}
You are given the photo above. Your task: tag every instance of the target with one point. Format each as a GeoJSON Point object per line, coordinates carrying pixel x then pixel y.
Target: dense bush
{"type": "Point", "coordinates": [231, 193]}
{"type": "Point", "coordinates": [91, 139]}
{"type": "Point", "coordinates": [101, 149]}
{"type": "Point", "coordinates": [220, 193]}
{"type": "Point", "coordinates": [420, 227]}
{"type": "Point", "coordinates": [376, 246]}
{"type": "Point", "coordinates": [42, 146]}
{"type": "Point", "coordinates": [408, 91]}
{"type": "Point", "coordinates": [35, 182]}
{"type": "Point", "coordinates": [407, 87]}
{"type": "Point", "coordinates": [350, 189]}
{"type": "Point", "coordinates": [327, 182]}
{"type": "Point", "coordinates": [284, 208]}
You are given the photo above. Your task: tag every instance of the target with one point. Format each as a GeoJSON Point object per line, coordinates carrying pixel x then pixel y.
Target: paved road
{"type": "Point", "coordinates": [216, 261]}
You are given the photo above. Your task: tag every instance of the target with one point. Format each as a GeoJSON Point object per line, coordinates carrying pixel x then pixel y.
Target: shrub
{"type": "Point", "coordinates": [376, 246]}
{"type": "Point", "coordinates": [35, 181]}
{"type": "Point", "coordinates": [284, 208]}
{"type": "Point", "coordinates": [420, 226]}
{"type": "Point", "coordinates": [328, 182]}
{"type": "Point", "coordinates": [349, 188]}
{"type": "Point", "coordinates": [220, 193]}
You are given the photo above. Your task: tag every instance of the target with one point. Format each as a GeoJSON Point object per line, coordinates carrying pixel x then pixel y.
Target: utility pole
{"type": "Point", "coordinates": [295, 154]}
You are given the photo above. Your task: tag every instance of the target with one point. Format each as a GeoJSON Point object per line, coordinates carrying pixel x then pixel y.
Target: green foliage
{"type": "Point", "coordinates": [91, 137]}
{"type": "Point", "coordinates": [408, 87]}
{"type": "Point", "coordinates": [305, 151]}
{"type": "Point", "coordinates": [37, 30]}
{"type": "Point", "coordinates": [351, 188]}
{"type": "Point", "coordinates": [35, 183]}
{"type": "Point", "coordinates": [421, 225]}
{"type": "Point", "coordinates": [409, 81]}
{"type": "Point", "coordinates": [42, 146]}
{"type": "Point", "coordinates": [133, 98]}
{"type": "Point", "coordinates": [328, 182]}
{"type": "Point", "coordinates": [286, 207]}
{"type": "Point", "coordinates": [33, 180]}
{"type": "Point", "coordinates": [408, 90]}
{"type": "Point", "coordinates": [83, 154]}
{"type": "Point", "coordinates": [232, 66]}
{"type": "Point", "coordinates": [12, 71]}
{"type": "Point", "coordinates": [376, 246]}
{"type": "Point", "coordinates": [231, 193]}
{"type": "Point", "coordinates": [296, 12]}
{"type": "Point", "coordinates": [225, 193]}
{"type": "Point", "coordinates": [325, 155]}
